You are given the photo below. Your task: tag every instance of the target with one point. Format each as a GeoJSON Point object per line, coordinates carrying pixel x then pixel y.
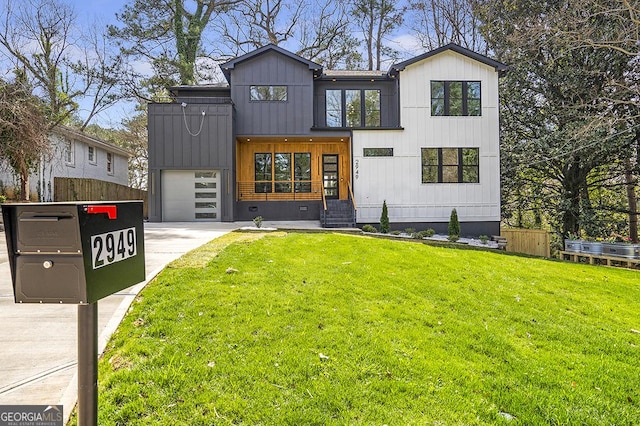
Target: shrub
{"type": "Point", "coordinates": [395, 232]}
{"type": "Point", "coordinates": [483, 239]}
{"type": "Point", "coordinates": [454, 225]}
{"type": "Point", "coordinates": [257, 221]}
{"type": "Point", "coordinates": [424, 234]}
{"type": "Point", "coordinates": [384, 218]}
{"type": "Point", "coordinates": [409, 231]}
{"type": "Point", "coordinates": [369, 228]}
{"type": "Point", "coordinates": [3, 199]}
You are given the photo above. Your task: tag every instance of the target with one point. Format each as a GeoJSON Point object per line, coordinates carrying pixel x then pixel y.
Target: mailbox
{"type": "Point", "coordinates": [73, 252]}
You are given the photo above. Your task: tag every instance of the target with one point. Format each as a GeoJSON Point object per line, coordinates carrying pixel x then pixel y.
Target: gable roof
{"type": "Point", "coordinates": [70, 133]}
{"type": "Point", "coordinates": [499, 66]}
{"type": "Point", "coordinates": [230, 65]}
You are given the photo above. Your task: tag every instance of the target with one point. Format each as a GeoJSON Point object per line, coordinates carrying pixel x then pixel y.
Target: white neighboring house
{"type": "Point", "coordinates": [74, 155]}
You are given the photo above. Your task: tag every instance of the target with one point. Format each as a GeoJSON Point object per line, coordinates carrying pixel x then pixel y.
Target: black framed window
{"type": "Point", "coordinates": [268, 93]}
{"type": "Point", "coordinates": [456, 98]}
{"type": "Point", "coordinates": [282, 172]}
{"type": "Point", "coordinates": [377, 152]}
{"type": "Point", "coordinates": [334, 108]}
{"type": "Point", "coordinates": [302, 172]}
{"type": "Point", "coordinates": [450, 165]}
{"type": "Point", "coordinates": [262, 163]}
{"type": "Point", "coordinates": [353, 108]}
{"type": "Point", "coordinates": [276, 172]}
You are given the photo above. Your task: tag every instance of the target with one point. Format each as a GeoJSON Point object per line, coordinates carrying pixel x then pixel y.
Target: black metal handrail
{"type": "Point", "coordinates": [279, 190]}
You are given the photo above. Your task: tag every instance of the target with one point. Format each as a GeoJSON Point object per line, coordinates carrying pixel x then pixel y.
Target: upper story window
{"type": "Point", "coordinates": [91, 155]}
{"type": "Point", "coordinates": [353, 108]}
{"type": "Point", "coordinates": [455, 98]}
{"type": "Point", "coordinates": [450, 165]}
{"type": "Point", "coordinates": [109, 163]}
{"type": "Point", "coordinates": [69, 157]}
{"type": "Point", "coordinates": [269, 93]}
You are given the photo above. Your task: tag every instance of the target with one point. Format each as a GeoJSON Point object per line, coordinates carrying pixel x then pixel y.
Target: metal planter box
{"type": "Point", "coordinates": [592, 247]}
{"type": "Point", "coordinates": [629, 251]}
{"type": "Point", "coordinates": [74, 252]}
{"type": "Point", "coordinates": [573, 246]}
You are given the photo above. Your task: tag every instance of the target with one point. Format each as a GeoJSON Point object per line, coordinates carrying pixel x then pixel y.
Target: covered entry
{"type": "Point", "coordinates": [292, 169]}
{"type": "Point", "coordinates": [190, 195]}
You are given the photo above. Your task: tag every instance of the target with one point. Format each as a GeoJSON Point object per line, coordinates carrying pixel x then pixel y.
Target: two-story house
{"type": "Point", "coordinates": [72, 154]}
{"type": "Point", "coordinates": [287, 140]}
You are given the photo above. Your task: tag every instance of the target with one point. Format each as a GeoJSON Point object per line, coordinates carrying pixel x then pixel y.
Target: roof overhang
{"type": "Point", "coordinates": [498, 66]}
{"type": "Point", "coordinates": [74, 134]}
{"type": "Point", "coordinates": [227, 67]}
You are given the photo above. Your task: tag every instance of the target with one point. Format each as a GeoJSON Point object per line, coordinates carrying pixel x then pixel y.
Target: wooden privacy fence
{"type": "Point", "coordinates": [528, 241]}
{"type": "Point", "coordinates": [80, 189]}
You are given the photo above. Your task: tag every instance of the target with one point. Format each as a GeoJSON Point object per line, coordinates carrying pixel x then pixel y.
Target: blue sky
{"type": "Point", "coordinates": [103, 10]}
{"type": "Point", "coordinates": [101, 13]}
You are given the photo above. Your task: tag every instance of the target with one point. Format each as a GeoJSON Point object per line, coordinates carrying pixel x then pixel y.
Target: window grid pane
{"type": "Point", "coordinates": [450, 165]}
{"type": "Point", "coordinates": [354, 108]}
{"type": "Point", "coordinates": [302, 172]}
{"type": "Point", "coordinates": [262, 164]}
{"type": "Point", "coordinates": [372, 108]}
{"type": "Point", "coordinates": [456, 98]}
{"type": "Point", "coordinates": [282, 172]}
{"type": "Point", "coordinates": [334, 108]}
{"type": "Point", "coordinates": [268, 93]}
{"type": "Point", "coordinates": [377, 152]}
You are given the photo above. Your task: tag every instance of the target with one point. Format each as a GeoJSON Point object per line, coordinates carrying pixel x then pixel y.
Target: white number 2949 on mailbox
{"type": "Point", "coordinates": [112, 247]}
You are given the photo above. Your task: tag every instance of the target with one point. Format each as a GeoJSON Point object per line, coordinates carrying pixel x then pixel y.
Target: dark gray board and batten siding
{"type": "Point", "coordinates": [173, 147]}
{"type": "Point", "coordinates": [273, 118]}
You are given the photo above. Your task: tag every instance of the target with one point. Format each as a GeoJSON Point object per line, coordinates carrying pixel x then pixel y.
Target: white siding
{"type": "Point", "coordinates": [398, 179]}
{"type": "Point", "coordinates": [55, 165]}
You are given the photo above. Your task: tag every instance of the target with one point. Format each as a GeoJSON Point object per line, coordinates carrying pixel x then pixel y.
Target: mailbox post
{"type": "Point", "coordinates": [76, 253]}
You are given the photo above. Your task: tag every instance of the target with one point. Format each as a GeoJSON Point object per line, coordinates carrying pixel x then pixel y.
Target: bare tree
{"type": "Point", "coordinates": [41, 38]}
{"type": "Point", "coordinates": [23, 130]}
{"type": "Point", "coordinates": [326, 37]}
{"type": "Point", "coordinates": [256, 23]}
{"type": "Point", "coordinates": [318, 30]}
{"type": "Point", "coordinates": [97, 70]}
{"type": "Point", "coordinates": [439, 22]}
{"type": "Point", "coordinates": [37, 36]}
{"type": "Point", "coordinates": [377, 19]}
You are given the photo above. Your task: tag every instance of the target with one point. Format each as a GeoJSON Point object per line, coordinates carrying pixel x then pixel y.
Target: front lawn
{"type": "Point", "coordinates": [330, 329]}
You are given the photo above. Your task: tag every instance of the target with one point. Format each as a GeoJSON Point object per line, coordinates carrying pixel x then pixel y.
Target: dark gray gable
{"type": "Point", "coordinates": [499, 66]}
{"type": "Point", "coordinates": [227, 67]}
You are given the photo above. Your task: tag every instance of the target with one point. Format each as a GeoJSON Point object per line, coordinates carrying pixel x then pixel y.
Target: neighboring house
{"type": "Point", "coordinates": [287, 140]}
{"type": "Point", "coordinates": [75, 155]}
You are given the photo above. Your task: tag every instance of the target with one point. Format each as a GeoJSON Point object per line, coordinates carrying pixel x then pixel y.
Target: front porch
{"type": "Point", "coordinates": [292, 178]}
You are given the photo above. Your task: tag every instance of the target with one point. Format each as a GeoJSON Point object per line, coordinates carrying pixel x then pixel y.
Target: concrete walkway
{"type": "Point", "coordinates": [38, 343]}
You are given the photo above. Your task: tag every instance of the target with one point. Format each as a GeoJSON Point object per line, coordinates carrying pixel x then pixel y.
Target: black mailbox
{"type": "Point", "coordinates": [73, 252]}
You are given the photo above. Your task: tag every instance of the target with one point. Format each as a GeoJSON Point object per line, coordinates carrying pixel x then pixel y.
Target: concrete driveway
{"type": "Point", "coordinates": [38, 355]}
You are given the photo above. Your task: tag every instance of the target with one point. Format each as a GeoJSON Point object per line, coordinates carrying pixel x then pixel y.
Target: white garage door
{"type": "Point", "coordinates": [190, 195]}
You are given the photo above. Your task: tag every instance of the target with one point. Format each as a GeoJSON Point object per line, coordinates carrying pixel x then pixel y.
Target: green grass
{"type": "Point", "coordinates": [332, 329]}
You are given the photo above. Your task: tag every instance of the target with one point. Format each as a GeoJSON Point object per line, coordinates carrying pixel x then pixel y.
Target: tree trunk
{"type": "Point", "coordinates": [571, 209]}
{"type": "Point", "coordinates": [632, 200]}
{"type": "Point", "coordinates": [24, 183]}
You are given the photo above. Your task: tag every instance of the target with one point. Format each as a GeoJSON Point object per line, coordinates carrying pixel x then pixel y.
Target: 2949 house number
{"type": "Point", "coordinates": [112, 247]}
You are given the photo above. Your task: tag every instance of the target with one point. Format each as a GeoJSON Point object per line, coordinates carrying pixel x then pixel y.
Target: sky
{"type": "Point", "coordinates": [102, 13]}
{"type": "Point", "coordinates": [103, 10]}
